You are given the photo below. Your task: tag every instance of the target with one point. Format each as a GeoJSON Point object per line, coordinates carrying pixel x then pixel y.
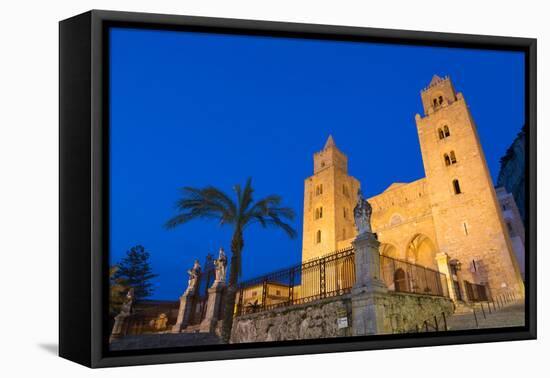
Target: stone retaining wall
{"type": "Point", "coordinates": [403, 311]}
{"type": "Point", "coordinates": [307, 321]}
{"type": "Point", "coordinates": [320, 319]}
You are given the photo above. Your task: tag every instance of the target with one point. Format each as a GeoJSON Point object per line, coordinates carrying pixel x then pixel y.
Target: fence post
{"type": "Point", "coordinates": [322, 279]}
{"type": "Point", "coordinates": [436, 324]}
{"type": "Point", "coordinates": [264, 294]}
{"type": "Point", "coordinates": [240, 303]}
{"type": "Point", "coordinates": [475, 317]}
{"type": "Point", "coordinates": [426, 325]}
{"type": "Point", "coordinates": [483, 310]}
{"type": "Point", "coordinates": [444, 321]}
{"type": "Point", "coordinates": [291, 286]}
{"type": "Point", "coordinates": [489, 307]}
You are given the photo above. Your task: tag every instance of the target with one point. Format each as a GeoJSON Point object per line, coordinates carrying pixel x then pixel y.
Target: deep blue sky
{"type": "Point", "coordinates": [193, 109]}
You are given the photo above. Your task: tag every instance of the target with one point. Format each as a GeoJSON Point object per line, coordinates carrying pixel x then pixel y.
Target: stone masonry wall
{"type": "Point", "coordinates": [319, 319]}
{"type": "Point", "coordinates": [308, 321]}
{"type": "Point", "coordinates": [406, 310]}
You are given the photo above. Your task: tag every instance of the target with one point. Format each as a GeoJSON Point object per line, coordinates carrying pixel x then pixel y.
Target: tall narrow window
{"type": "Point", "coordinates": [319, 189]}
{"type": "Point", "coordinates": [447, 160]}
{"type": "Point", "coordinates": [440, 133]}
{"type": "Point", "coordinates": [453, 157]}
{"type": "Point", "coordinates": [319, 212]}
{"type": "Point", "coordinates": [446, 131]}
{"type": "Point", "coordinates": [440, 100]}
{"type": "Point", "coordinates": [465, 228]}
{"type": "Point", "coordinates": [435, 102]}
{"type": "Point", "coordinates": [456, 187]}
{"type": "Point", "coordinates": [345, 213]}
{"type": "Point", "coordinates": [318, 237]}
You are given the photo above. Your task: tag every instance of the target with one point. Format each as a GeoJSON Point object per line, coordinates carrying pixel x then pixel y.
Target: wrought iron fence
{"type": "Point", "coordinates": [328, 276]}
{"type": "Point", "coordinates": [476, 292]}
{"type": "Point", "coordinates": [403, 276]}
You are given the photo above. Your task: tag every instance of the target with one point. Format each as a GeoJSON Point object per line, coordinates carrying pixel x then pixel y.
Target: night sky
{"type": "Point", "coordinates": [197, 109]}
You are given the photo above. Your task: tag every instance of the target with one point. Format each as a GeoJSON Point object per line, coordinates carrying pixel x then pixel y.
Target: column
{"type": "Point", "coordinates": [369, 291]}
{"type": "Point", "coordinates": [444, 267]}
{"type": "Point", "coordinates": [184, 312]}
{"type": "Point", "coordinates": [119, 328]}
{"type": "Point", "coordinates": [213, 307]}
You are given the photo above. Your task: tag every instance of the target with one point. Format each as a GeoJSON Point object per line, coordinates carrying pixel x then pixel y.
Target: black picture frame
{"type": "Point", "coordinates": [84, 200]}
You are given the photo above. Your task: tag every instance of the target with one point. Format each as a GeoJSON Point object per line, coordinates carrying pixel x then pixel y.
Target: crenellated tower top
{"type": "Point", "coordinates": [330, 156]}
{"type": "Point", "coordinates": [438, 94]}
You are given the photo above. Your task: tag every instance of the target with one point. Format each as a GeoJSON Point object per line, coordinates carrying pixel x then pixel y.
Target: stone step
{"type": "Point", "coordinates": [164, 340]}
{"type": "Point", "coordinates": [511, 315]}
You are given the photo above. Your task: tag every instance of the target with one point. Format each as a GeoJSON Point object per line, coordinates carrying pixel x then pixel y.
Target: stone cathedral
{"type": "Point", "coordinates": [452, 220]}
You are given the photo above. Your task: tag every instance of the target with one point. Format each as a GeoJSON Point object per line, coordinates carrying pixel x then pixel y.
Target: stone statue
{"type": "Point", "coordinates": [362, 214]}
{"type": "Point", "coordinates": [221, 264]}
{"type": "Point", "coordinates": [121, 320]}
{"type": "Point", "coordinates": [194, 274]}
{"type": "Point", "coordinates": [128, 304]}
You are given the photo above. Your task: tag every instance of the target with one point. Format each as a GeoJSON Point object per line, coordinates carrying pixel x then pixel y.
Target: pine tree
{"type": "Point", "coordinates": [135, 271]}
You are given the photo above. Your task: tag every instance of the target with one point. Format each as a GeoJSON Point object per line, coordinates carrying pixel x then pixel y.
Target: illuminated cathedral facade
{"type": "Point", "coordinates": [452, 220]}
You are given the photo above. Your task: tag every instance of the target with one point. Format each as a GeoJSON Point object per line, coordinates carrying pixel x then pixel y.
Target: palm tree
{"type": "Point", "coordinates": [212, 203]}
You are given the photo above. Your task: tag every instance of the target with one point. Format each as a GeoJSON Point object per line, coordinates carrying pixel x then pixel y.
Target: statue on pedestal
{"type": "Point", "coordinates": [121, 322]}
{"type": "Point", "coordinates": [221, 264]}
{"type": "Point", "coordinates": [128, 304]}
{"type": "Point", "coordinates": [194, 274]}
{"type": "Point", "coordinates": [362, 214]}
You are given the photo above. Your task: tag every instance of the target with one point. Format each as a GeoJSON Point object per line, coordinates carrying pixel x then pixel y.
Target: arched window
{"type": "Point", "coordinates": [456, 187]}
{"type": "Point", "coordinates": [453, 157]}
{"type": "Point", "coordinates": [319, 212]}
{"type": "Point", "coordinates": [440, 133]}
{"type": "Point", "coordinates": [446, 131]}
{"type": "Point", "coordinates": [319, 189]}
{"type": "Point", "coordinates": [447, 160]}
{"type": "Point", "coordinates": [318, 237]}
{"type": "Point", "coordinates": [440, 100]}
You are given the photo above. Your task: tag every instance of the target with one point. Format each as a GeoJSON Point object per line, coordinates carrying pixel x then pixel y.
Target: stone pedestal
{"type": "Point", "coordinates": [444, 267]}
{"type": "Point", "coordinates": [184, 313]}
{"type": "Point", "coordinates": [369, 291]}
{"type": "Point", "coordinates": [212, 307]}
{"type": "Point", "coordinates": [119, 328]}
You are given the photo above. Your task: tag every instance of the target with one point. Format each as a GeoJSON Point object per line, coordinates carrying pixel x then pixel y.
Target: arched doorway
{"type": "Point", "coordinates": [400, 280]}
{"type": "Point", "coordinates": [421, 251]}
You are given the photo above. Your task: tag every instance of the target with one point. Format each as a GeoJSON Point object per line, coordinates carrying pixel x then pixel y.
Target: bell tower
{"type": "Point", "coordinates": [329, 198]}
{"type": "Point", "coordinates": [466, 212]}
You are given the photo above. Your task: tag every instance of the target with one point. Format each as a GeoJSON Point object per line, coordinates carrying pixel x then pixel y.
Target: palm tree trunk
{"type": "Point", "coordinates": [237, 244]}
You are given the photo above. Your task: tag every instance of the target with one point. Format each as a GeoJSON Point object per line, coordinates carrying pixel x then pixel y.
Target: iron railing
{"type": "Point", "coordinates": [403, 276]}
{"type": "Point", "coordinates": [328, 276]}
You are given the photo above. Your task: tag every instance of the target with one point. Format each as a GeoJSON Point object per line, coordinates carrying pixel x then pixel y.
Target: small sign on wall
{"type": "Point", "coordinates": [342, 323]}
